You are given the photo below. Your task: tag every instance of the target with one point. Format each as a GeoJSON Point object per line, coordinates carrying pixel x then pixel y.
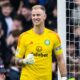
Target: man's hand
{"type": "Point", "coordinates": [29, 59]}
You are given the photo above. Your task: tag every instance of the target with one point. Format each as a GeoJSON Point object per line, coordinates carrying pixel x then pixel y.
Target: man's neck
{"type": "Point", "coordinates": [39, 29]}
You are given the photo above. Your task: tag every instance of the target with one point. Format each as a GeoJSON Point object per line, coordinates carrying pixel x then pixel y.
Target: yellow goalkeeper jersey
{"type": "Point", "coordinates": [41, 45]}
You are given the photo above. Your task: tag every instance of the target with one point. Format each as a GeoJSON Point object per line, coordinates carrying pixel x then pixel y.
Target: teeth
{"type": "Point", "coordinates": [36, 21]}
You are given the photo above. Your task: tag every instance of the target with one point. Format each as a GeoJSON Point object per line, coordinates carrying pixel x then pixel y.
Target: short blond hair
{"type": "Point", "coordinates": [39, 7]}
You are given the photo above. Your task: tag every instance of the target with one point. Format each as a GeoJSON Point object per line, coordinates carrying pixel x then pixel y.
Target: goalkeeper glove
{"type": "Point", "coordinates": [29, 59]}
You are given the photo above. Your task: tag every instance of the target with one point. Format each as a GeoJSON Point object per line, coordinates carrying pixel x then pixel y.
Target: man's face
{"type": "Point", "coordinates": [6, 11]}
{"type": "Point", "coordinates": [77, 2]}
{"type": "Point", "coordinates": [71, 49]}
{"type": "Point", "coordinates": [54, 12]}
{"type": "Point", "coordinates": [38, 16]}
{"type": "Point", "coordinates": [2, 76]}
{"type": "Point", "coordinates": [25, 12]}
{"type": "Point", "coordinates": [17, 25]}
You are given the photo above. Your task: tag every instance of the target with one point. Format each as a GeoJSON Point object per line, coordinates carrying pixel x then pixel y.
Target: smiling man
{"type": "Point", "coordinates": [35, 47]}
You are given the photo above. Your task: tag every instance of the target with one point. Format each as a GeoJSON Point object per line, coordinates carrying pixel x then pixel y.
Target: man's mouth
{"type": "Point", "coordinates": [36, 20]}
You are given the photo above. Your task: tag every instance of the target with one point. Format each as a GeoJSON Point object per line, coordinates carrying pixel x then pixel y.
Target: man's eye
{"type": "Point", "coordinates": [33, 14]}
{"type": "Point", "coordinates": [38, 14]}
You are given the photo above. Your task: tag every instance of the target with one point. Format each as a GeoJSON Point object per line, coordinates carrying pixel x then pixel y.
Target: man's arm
{"type": "Point", "coordinates": [62, 65]}
{"type": "Point", "coordinates": [27, 60]}
{"type": "Point", "coordinates": [18, 61]}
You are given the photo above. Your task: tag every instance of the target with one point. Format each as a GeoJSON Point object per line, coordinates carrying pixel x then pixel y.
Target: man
{"type": "Point", "coordinates": [26, 13]}
{"type": "Point", "coordinates": [35, 47]}
{"type": "Point", "coordinates": [6, 18]}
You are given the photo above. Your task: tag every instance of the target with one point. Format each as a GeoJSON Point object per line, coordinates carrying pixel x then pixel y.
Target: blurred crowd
{"type": "Point", "coordinates": [15, 18]}
{"type": "Point", "coordinates": [73, 38]}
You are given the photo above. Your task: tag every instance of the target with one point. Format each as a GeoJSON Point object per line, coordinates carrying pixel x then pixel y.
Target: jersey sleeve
{"type": "Point", "coordinates": [57, 46]}
{"type": "Point", "coordinates": [20, 47]}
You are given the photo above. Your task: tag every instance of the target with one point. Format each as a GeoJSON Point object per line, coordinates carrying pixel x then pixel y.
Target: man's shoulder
{"type": "Point", "coordinates": [52, 34]}
{"type": "Point", "coordinates": [26, 33]}
{"type": "Point", "coordinates": [51, 31]}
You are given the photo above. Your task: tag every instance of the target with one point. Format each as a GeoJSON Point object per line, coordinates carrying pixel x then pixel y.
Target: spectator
{"type": "Point", "coordinates": [26, 12]}
{"type": "Point", "coordinates": [71, 53]}
{"type": "Point", "coordinates": [77, 2]}
{"type": "Point", "coordinates": [11, 45]}
{"type": "Point", "coordinates": [14, 70]}
{"type": "Point", "coordinates": [72, 60]}
{"type": "Point", "coordinates": [6, 18]}
{"type": "Point", "coordinates": [76, 13]}
{"type": "Point", "coordinates": [18, 23]}
{"type": "Point", "coordinates": [16, 4]}
{"type": "Point", "coordinates": [76, 31]}
{"type": "Point", "coordinates": [30, 2]}
{"type": "Point", "coordinates": [50, 5]}
{"type": "Point", "coordinates": [17, 28]}
{"type": "Point", "coordinates": [2, 42]}
{"type": "Point", "coordinates": [52, 22]}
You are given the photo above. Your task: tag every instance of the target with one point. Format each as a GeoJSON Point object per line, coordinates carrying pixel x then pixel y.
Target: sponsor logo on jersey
{"type": "Point", "coordinates": [40, 54]}
{"type": "Point", "coordinates": [39, 48]}
{"type": "Point", "coordinates": [47, 42]}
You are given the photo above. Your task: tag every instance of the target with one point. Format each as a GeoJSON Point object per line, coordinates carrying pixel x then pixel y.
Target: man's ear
{"type": "Point", "coordinates": [45, 16]}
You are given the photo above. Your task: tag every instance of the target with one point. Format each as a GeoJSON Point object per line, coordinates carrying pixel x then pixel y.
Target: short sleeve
{"type": "Point", "coordinates": [57, 46]}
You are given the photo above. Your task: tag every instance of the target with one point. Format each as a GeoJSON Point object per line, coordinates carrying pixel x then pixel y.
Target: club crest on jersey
{"type": "Point", "coordinates": [47, 42]}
